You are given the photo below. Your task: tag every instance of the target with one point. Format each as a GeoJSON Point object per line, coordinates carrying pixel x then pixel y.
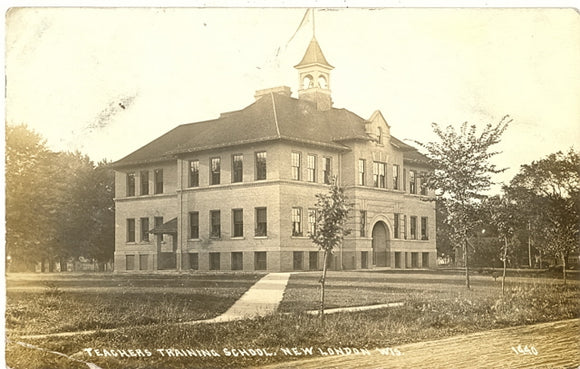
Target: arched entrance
{"type": "Point", "coordinates": [380, 244]}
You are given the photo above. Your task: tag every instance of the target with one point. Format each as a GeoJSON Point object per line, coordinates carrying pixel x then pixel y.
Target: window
{"type": "Point", "coordinates": [237, 168]}
{"type": "Point", "coordinates": [412, 182]}
{"type": "Point", "coordinates": [214, 261]}
{"type": "Point", "coordinates": [363, 223]}
{"type": "Point", "coordinates": [194, 261]}
{"type": "Point", "coordinates": [425, 258]}
{"type": "Point", "coordinates": [158, 221]}
{"type": "Point", "coordinates": [130, 184]}
{"type": "Point", "coordinates": [238, 221]}
{"type": "Point", "coordinates": [260, 165]}
{"type": "Point", "coordinates": [396, 226]}
{"type": "Point", "coordinates": [145, 229]}
{"type": "Point", "coordinates": [312, 221]}
{"type": "Point", "coordinates": [143, 262]}
{"type": "Point", "coordinates": [130, 262]}
{"type": "Point", "coordinates": [194, 173]}
{"type": "Point", "coordinates": [144, 182]}
{"type": "Point", "coordinates": [311, 168]}
{"type": "Point", "coordinates": [424, 233]}
{"type": "Point", "coordinates": [260, 262]}
{"type": "Point", "coordinates": [261, 222]}
{"type": "Point", "coordinates": [404, 227]}
{"type": "Point", "coordinates": [313, 260]}
{"type": "Point", "coordinates": [130, 230]}
{"type": "Point", "coordinates": [413, 225]}
{"type": "Point", "coordinates": [158, 174]}
{"type": "Point", "coordinates": [379, 174]}
{"type": "Point", "coordinates": [237, 261]}
{"type": "Point", "coordinates": [327, 170]}
{"type": "Point", "coordinates": [361, 172]}
{"type": "Point", "coordinates": [296, 221]}
{"type": "Point", "coordinates": [215, 218]}
{"type": "Point", "coordinates": [296, 157]}
{"type": "Point", "coordinates": [298, 257]}
{"type": "Point", "coordinates": [395, 177]}
{"type": "Point", "coordinates": [423, 181]}
{"type": "Point", "coordinates": [215, 168]}
{"type": "Point", "coordinates": [194, 225]}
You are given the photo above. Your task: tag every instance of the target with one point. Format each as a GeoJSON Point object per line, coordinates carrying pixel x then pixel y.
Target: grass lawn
{"type": "Point", "coordinates": [435, 305]}
{"type": "Point", "coordinates": [63, 303]}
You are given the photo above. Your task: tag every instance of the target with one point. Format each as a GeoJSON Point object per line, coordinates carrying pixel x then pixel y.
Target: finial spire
{"type": "Point", "coordinates": [313, 25]}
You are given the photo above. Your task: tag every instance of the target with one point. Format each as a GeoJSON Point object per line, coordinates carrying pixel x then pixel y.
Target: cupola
{"type": "Point", "coordinates": [314, 77]}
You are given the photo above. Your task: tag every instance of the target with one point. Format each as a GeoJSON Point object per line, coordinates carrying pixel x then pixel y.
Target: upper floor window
{"type": "Point", "coordinates": [194, 225]}
{"type": "Point", "coordinates": [131, 230]}
{"type": "Point", "coordinates": [260, 165]}
{"type": "Point", "coordinates": [424, 230]}
{"type": "Point", "coordinates": [261, 222]}
{"type": "Point", "coordinates": [413, 225]}
{"type": "Point", "coordinates": [296, 158]}
{"type": "Point", "coordinates": [237, 168]}
{"type": "Point", "coordinates": [215, 223]}
{"type": "Point", "coordinates": [131, 184]}
{"type": "Point", "coordinates": [379, 170]}
{"type": "Point", "coordinates": [412, 182]}
{"type": "Point", "coordinates": [194, 173]}
{"type": "Point", "coordinates": [312, 221]}
{"type": "Point", "coordinates": [144, 182]}
{"type": "Point", "coordinates": [158, 222]}
{"type": "Point", "coordinates": [363, 223]}
{"type": "Point", "coordinates": [311, 168]}
{"type": "Point", "coordinates": [158, 174]}
{"type": "Point", "coordinates": [395, 177]}
{"type": "Point", "coordinates": [238, 221]}
{"type": "Point", "coordinates": [327, 170]}
{"type": "Point", "coordinates": [215, 168]}
{"type": "Point", "coordinates": [144, 229]}
{"type": "Point", "coordinates": [296, 221]}
{"type": "Point", "coordinates": [361, 172]}
{"type": "Point", "coordinates": [423, 181]}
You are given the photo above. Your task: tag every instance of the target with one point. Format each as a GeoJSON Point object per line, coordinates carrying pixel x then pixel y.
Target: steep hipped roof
{"type": "Point", "coordinates": [272, 117]}
{"type": "Point", "coordinates": [314, 55]}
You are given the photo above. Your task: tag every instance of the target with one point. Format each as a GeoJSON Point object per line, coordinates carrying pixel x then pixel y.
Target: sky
{"type": "Point", "coordinates": [106, 81]}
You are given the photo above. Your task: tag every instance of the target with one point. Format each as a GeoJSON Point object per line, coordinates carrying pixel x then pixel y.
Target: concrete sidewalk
{"type": "Point", "coordinates": [556, 343]}
{"type": "Point", "coordinates": [261, 299]}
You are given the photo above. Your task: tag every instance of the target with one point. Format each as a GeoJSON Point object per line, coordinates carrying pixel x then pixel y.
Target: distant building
{"type": "Point", "coordinates": [238, 192]}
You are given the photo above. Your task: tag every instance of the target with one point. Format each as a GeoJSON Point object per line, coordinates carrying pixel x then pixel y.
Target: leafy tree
{"type": "Point", "coordinates": [332, 210]}
{"type": "Point", "coordinates": [462, 173]}
{"type": "Point", "coordinates": [548, 194]}
{"type": "Point", "coordinates": [58, 205]}
{"type": "Point", "coordinates": [503, 214]}
{"type": "Point", "coordinates": [101, 242]}
{"type": "Point", "coordinates": [29, 194]}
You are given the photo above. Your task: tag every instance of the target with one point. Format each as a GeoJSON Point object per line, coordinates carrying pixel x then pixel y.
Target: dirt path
{"type": "Point", "coordinates": [555, 345]}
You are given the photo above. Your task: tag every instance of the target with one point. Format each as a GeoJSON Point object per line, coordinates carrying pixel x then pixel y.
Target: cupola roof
{"type": "Point", "coordinates": [314, 55]}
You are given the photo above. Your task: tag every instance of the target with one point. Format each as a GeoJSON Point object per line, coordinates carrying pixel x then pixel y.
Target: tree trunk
{"type": "Point", "coordinates": [505, 247]}
{"type": "Point", "coordinates": [322, 280]}
{"type": "Point", "coordinates": [564, 267]}
{"type": "Point", "coordinates": [465, 249]}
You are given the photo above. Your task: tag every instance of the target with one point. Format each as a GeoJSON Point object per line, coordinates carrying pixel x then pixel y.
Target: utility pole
{"type": "Point", "coordinates": [530, 244]}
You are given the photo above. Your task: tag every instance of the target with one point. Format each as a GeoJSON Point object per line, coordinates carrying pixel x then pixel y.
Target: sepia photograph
{"type": "Point", "coordinates": [292, 187]}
